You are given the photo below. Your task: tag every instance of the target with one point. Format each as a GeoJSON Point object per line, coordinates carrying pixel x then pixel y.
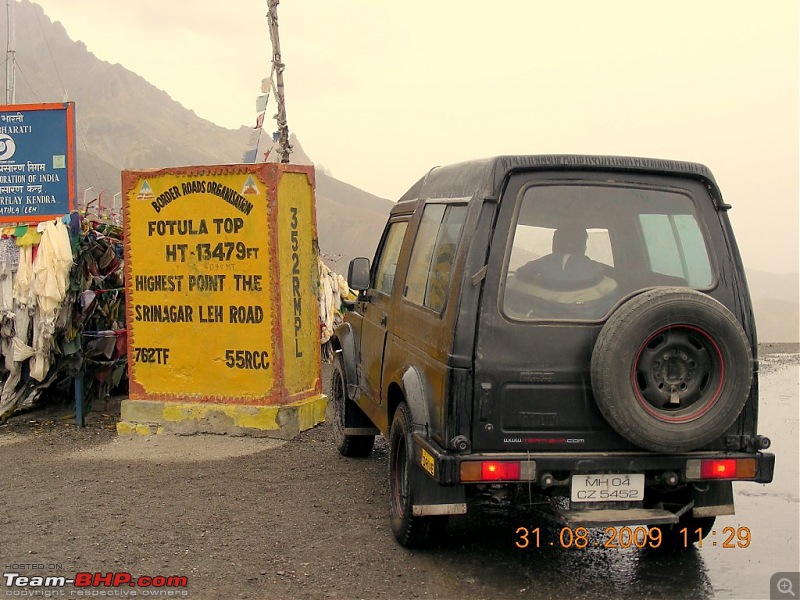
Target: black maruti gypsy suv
{"type": "Point", "coordinates": [574, 327]}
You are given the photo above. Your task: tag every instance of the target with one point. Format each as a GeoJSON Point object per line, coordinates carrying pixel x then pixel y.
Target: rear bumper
{"type": "Point", "coordinates": [549, 469]}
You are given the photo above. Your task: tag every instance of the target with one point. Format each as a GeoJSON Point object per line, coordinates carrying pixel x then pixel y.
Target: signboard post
{"type": "Point", "coordinates": [37, 161]}
{"type": "Point", "coordinates": [221, 270]}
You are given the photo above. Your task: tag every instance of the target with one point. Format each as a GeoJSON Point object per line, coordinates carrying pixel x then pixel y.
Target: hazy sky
{"type": "Point", "coordinates": [378, 91]}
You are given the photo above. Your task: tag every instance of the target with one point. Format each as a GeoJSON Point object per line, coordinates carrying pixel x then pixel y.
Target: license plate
{"type": "Point", "coordinates": [426, 460]}
{"type": "Point", "coordinates": [607, 487]}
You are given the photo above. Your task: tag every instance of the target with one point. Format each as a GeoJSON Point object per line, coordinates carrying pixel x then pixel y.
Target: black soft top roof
{"type": "Point", "coordinates": [485, 177]}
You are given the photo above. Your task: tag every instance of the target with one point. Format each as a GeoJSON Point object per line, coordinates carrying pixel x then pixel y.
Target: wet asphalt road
{"type": "Point", "coordinates": [770, 512]}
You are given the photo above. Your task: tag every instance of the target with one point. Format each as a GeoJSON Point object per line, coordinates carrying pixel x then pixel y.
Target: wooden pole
{"type": "Point", "coordinates": [284, 148]}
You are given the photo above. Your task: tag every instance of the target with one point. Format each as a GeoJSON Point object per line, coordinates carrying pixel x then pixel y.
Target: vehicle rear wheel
{"type": "Point", "coordinates": [671, 370]}
{"type": "Point", "coordinates": [347, 445]}
{"type": "Point", "coordinates": [411, 531]}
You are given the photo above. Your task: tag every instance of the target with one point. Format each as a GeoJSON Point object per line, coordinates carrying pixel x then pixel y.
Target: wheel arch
{"type": "Point", "coordinates": [409, 387]}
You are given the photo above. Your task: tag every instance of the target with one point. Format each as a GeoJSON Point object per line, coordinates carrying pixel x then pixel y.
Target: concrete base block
{"type": "Point", "coordinates": [147, 417]}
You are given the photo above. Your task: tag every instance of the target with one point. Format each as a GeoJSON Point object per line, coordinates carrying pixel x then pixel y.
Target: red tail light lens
{"type": "Point", "coordinates": [490, 470]}
{"type": "Point", "coordinates": [718, 469]}
{"type": "Point", "coordinates": [499, 471]}
{"type": "Point", "coordinates": [743, 468]}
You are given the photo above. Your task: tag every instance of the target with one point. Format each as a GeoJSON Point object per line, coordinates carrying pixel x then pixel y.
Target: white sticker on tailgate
{"type": "Point", "coordinates": [607, 487]}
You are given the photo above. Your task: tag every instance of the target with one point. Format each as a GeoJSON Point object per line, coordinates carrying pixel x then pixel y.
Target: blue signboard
{"type": "Point", "coordinates": [37, 161]}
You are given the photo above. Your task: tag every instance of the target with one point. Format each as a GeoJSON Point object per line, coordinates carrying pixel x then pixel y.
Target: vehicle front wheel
{"type": "Point", "coordinates": [347, 445]}
{"type": "Point", "coordinates": [411, 531]}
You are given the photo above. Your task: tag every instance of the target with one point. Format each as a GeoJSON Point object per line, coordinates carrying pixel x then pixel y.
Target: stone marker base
{"type": "Point", "coordinates": [145, 417]}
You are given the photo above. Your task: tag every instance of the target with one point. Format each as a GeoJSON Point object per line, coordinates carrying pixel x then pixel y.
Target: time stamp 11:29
{"type": "Point", "coordinates": [628, 537]}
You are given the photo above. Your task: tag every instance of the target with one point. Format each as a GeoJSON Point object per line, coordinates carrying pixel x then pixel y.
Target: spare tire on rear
{"type": "Point", "coordinates": [671, 370]}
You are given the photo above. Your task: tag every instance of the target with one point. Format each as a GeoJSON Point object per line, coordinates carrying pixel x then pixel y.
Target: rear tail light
{"type": "Point", "coordinates": [718, 469]}
{"type": "Point", "coordinates": [490, 470]}
{"type": "Point", "coordinates": [721, 468]}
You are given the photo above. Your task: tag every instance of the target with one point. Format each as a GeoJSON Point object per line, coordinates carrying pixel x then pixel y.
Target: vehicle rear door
{"type": "Point", "coordinates": [533, 352]}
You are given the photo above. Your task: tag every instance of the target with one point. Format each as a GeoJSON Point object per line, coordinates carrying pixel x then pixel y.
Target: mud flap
{"type": "Point", "coordinates": [431, 498]}
{"type": "Point", "coordinates": [356, 422]}
{"type": "Point", "coordinates": [713, 499]}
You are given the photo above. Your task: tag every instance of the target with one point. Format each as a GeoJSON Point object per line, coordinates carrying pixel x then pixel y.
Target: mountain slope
{"type": "Point", "coordinates": [124, 122]}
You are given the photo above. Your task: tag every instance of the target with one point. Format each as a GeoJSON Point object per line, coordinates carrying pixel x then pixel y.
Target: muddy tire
{"type": "Point", "coordinates": [347, 445]}
{"type": "Point", "coordinates": [671, 370]}
{"type": "Point", "coordinates": [411, 531]}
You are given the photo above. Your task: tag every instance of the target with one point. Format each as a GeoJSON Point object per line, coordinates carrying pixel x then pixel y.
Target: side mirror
{"type": "Point", "coordinates": [358, 274]}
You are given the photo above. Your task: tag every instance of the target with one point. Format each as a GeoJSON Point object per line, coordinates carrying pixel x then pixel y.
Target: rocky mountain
{"type": "Point", "coordinates": [124, 122]}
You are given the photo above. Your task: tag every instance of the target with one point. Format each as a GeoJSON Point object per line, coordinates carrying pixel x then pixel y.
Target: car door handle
{"type": "Point", "coordinates": [384, 318]}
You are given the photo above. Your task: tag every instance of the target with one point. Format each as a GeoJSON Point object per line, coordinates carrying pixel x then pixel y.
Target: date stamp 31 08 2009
{"type": "Point", "coordinates": [620, 538]}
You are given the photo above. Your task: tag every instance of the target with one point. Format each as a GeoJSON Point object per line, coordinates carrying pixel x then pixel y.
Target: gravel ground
{"type": "Point", "coordinates": [239, 517]}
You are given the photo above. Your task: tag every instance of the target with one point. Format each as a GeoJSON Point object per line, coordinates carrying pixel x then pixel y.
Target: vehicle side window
{"type": "Point", "coordinates": [387, 261]}
{"type": "Point", "coordinates": [431, 267]}
{"type": "Point", "coordinates": [675, 247]}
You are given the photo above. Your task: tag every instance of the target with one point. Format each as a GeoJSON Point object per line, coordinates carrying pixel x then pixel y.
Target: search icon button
{"type": "Point", "coordinates": [784, 585]}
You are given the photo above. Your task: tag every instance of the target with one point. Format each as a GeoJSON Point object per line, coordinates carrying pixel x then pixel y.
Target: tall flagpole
{"type": "Point", "coordinates": [284, 148]}
{"type": "Point", "coordinates": [11, 94]}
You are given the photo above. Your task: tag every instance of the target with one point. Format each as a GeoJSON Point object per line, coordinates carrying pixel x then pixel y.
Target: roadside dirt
{"type": "Point", "coordinates": [239, 517]}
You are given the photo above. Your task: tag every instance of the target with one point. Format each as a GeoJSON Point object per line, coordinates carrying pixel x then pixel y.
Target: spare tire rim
{"type": "Point", "coordinates": [678, 373]}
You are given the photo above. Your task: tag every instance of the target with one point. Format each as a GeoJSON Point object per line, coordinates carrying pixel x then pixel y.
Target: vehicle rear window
{"type": "Point", "coordinates": [576, 250]}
